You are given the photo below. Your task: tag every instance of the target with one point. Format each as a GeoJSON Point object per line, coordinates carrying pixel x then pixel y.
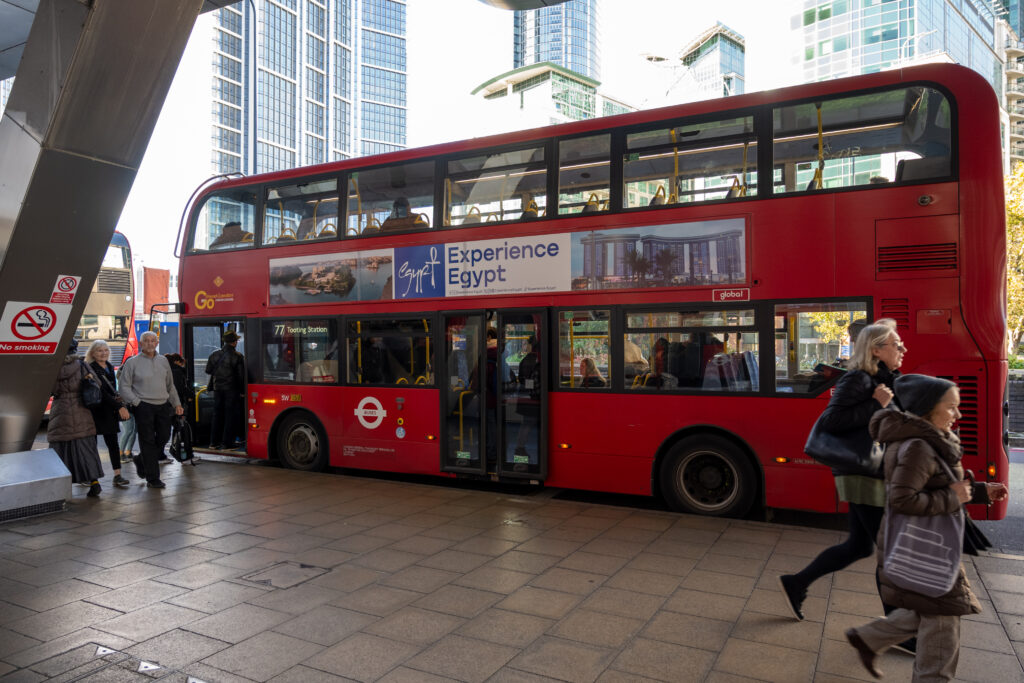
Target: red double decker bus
{"type": "Point", "coordinates": [652, 303]}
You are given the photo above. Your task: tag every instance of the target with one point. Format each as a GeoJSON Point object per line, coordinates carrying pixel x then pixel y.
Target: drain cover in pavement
{"type": "Point", "coordinates": [285, 574]}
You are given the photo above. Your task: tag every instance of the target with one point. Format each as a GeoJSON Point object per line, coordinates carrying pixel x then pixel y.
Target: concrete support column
{"type": "Point", "coordinates": [87, 94]}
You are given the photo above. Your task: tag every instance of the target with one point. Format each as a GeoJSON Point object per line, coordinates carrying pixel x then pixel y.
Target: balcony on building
{"type": "Point", "coordinates": [1015, 67]}
{"type": "Point", "coordinates": [1014, 91]}
{"type": "Point", "coordinates": [1014, 48]}
{"type": "Point", "coordinates": [1017, 131]}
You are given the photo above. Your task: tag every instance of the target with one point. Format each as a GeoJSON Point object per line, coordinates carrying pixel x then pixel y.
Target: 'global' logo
{"type": "Point", "coordinates": [742, 294]}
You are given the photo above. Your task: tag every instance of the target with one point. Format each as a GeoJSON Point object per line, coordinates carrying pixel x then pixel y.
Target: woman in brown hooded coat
{"type": "Point", "coordinates": [917, 484]}
{"type": "Point", "coordinates": [71, 430]}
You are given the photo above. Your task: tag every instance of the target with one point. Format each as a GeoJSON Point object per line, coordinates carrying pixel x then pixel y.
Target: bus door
{"type": "Point", "coordinates": [200, 340]}
{"type": "Point", "coordinates": [521, 378]}
{"type": "Point", "coordinates": [462, 394]}
{"type": "Point", "coordinates": [494, 403]}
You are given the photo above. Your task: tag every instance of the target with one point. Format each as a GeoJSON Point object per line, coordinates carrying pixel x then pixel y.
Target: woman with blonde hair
{"type": "Point", "coordinates": [590, 376]}
{"type": "Point", "coordinates": [107, 415]}
{"type": "Point", "coordinates": [866, 388]}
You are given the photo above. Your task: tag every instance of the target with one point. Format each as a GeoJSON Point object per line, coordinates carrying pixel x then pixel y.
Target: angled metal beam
{"type": "Point", "coordinates": [89, 89]}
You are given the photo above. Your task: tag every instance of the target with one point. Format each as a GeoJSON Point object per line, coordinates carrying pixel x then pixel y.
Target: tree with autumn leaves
{"type": "Point", "coordinates": [1015, 256]}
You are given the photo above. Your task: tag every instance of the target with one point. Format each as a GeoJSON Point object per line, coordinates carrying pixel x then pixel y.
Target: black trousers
{"type": "Point", "coordinates": [225, 416]}
{"type": "Point", "coordinates": [154, 425]}
{"type": "Point", "coordinates": [865, 521]}
{"type": "Point", "coordinates": [113, 450]}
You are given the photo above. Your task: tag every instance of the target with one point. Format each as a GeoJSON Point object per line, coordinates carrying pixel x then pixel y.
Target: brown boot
{"type": "Point", "coordinates": [867, 655]}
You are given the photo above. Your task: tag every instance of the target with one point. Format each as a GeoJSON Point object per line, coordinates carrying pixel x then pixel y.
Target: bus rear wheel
{"type": "Point", "coordinates": [708, 475]}
{"type": "Point", "coordinates": [301, 443]}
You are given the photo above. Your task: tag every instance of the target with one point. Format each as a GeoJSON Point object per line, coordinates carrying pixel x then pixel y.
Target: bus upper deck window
{"type": "Point", "coordinates": [583, 174]}
{"type": "Point", "coordinates": [490, 186]}
{"type": "Point", "coordinates": [300, 213]}
{"type": "Point", "coordinates": [690, 162]}
{"type": "Point", "coordinates": [397, 198]}
{"type": "Point", "coordinates": [880, 138]}
{"type": "Point", "coordinates": [226, 221]}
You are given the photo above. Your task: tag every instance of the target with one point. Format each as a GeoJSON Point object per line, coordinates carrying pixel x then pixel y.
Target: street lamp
{"type": "Point", "coordinates": [915, 38]}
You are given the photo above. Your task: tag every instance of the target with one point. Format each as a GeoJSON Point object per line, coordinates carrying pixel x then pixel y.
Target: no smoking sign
{"type": "Point", "coordinates": [32, 328]}
{"type": "Point", "coordinates": [64, 289]}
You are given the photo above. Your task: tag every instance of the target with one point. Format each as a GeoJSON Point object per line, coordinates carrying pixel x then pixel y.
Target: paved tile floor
{"type": "Point", "coordinates": [244, 572]}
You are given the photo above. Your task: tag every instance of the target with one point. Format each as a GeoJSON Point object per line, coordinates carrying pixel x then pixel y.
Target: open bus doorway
{"type": "Point", "coordinates": [200, 341]}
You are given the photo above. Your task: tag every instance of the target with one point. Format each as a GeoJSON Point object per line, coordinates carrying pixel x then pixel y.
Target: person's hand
{"type": "Point", "coordinates": [962, 489]}
{"type": "Point", "coordinates": [122, 413]}
{"type": "Point", "coordinates": [996, 491]}
{"type": "Point", "coordinates": [178, 410]}
{"type": "Point", "coordinates": [883, 395]}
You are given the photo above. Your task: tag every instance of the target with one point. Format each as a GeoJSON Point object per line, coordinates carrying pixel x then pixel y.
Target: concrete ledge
{"type": "Point", "coordinates": [31, 483]}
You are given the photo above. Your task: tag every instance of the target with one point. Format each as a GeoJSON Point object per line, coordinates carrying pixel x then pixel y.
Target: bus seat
{"type": "Point", "coordinates": [472, 216]}
{"type": "Point", "coordinates": [659, 197]}
{"type": "Point", "coordinates": [319, 371]}
{"type": "Point", "coordinates": [922, 169]}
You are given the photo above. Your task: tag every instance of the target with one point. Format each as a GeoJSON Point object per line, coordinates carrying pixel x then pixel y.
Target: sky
{"type": "Point", "coordinates": [453, 46]}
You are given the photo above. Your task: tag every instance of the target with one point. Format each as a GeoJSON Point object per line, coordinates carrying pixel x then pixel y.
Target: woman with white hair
{"type": "Point", "coordinates": [108, 414]}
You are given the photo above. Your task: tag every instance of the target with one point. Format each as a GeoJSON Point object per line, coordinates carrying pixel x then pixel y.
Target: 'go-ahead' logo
{"type": "Point", "coordinates": [370, 417]}
{"type": "Point", "coordinates": [206, 301]}
{"type": "Point", "coordinates": [203, 300]}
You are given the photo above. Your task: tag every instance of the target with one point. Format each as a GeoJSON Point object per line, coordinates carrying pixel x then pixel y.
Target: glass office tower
{"type": "Point", "coordinates": [849, 37]}
{"type": "Point", "coordinates": [329, 77]}
{"type": "Point", "coordinates": [714, 63]}
{"type": "Point", "coordinates": [565, 34]}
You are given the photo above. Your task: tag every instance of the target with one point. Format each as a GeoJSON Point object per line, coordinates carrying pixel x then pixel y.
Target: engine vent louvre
{"type": "Point", "coordinates": [917, 257]}
{"type": "Point", "coordinates": [968, 423]}
{"type": "Point", "coordinates": [898, 310]}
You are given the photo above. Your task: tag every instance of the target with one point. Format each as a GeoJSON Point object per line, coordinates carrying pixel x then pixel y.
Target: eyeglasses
{"type": "Point", "coordinates": [899, 346]}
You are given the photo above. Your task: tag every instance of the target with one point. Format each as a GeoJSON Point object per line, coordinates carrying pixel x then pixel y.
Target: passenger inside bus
{"type": "Point", "coordinates": [401, 218]}
{"type": "Point", "coordinates": [231, 234]}
{"type": "Point", "coordinates": [590, 376]}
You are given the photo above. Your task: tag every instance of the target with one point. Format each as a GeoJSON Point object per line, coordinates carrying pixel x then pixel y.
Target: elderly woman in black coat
{"type": "Point", "coordinates": [108, 414]}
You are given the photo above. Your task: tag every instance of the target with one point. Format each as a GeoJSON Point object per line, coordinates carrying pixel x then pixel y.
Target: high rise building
{"type": "Point", "coordinates": [849, 37]}
{"type": "Point", "coordinates": [542, 95]}
{"type": "Point", "coordinates": [299, 82]}
{"type": "Point", "coordinates": [566, 34]}
{"type": "Point", "coordinates": [713, 64]}
{"type": "Point", "coordinates": [1014, 10]}
{"type": "Point", "coordinates": [5, 92]}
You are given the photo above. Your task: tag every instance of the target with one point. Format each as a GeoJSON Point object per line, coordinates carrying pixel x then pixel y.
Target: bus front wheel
{"type": "Point", "coordinates": [301, 443]}
{"type": "Point", "coordinates": [708, 475]}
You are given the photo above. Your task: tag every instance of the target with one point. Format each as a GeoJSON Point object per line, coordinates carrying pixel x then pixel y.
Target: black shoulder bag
{"type": "Point", "coordinates": [92, 393]}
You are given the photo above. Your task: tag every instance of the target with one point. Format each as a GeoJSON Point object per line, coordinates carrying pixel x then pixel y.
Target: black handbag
{"type": "Point", "coordinates": [852, 452]}
{"type": "Point", "coordinates": [92, 393]}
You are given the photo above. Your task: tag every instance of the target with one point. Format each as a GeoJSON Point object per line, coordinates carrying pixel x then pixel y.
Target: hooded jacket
{"type": "Point", "coordinates": [69, 418]}
{"type": "Point", "coordinates": [916, 484]}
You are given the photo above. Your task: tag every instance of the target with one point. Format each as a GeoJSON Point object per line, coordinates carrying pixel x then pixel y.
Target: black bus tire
{"type": "Point", "coordinates": [302, 443]}
{"type": "Point", "coordinates": [708, 475]}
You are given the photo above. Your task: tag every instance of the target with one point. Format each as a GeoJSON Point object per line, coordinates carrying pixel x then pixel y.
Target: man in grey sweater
{"type": "Point", "coordinates": [146, 384]}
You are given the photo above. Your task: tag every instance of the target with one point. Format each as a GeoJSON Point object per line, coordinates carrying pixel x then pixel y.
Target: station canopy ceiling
{"type": "Point", "coordinates": [16, 19]}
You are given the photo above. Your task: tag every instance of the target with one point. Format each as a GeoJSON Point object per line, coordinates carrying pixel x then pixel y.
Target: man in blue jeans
{"type": "Point", "coordinates": [147, 386]}
{"type": "Point", "coordinates": [226, 368]}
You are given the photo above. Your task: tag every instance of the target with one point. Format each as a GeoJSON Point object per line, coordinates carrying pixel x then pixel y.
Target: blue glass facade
{"type": "Point", "coordinates": [849, 37]}
{"type": "Point", "coordinates": [329, 77]}
{"type": "Point", "coordinates": [566, 34]}
{"type": "Point", "coordinates": [716, 63]}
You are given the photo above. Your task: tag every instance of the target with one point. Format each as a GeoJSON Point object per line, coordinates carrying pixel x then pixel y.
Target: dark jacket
{"type": "Point", "coordinates": [916, 484]}
{"type": "Point", "coordinates": [69, 418]}
{"type": "Point", "coordinates": [853, 402]}
{"type": "Point", "coordinates": [185, 393]}
{"type": "Point", "coordinates": [106, 415]}
{"type": "Point", "coordinates": [226, 368]}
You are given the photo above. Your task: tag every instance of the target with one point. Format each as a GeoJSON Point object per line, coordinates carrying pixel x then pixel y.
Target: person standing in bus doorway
{"type": "Point", "coordinates": [147, 386]}
{"type": "Point", "coordinates": [108, 414]}
{"type": "Point", "coordinates": [528, 405]}
{"type": "Point", "coordinates": [226, 368]}
{"type": "Point", "coordinates": [866, 388]}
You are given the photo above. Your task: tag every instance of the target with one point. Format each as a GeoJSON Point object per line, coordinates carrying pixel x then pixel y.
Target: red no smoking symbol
{"type": "Point", "coordinates": [67, 284]}
{"type": "Point", "coordinates": [33, 323]}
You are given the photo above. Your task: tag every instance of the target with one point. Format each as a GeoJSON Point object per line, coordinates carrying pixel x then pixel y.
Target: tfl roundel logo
{"type": "Point", "coordinates": [370, 412]}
